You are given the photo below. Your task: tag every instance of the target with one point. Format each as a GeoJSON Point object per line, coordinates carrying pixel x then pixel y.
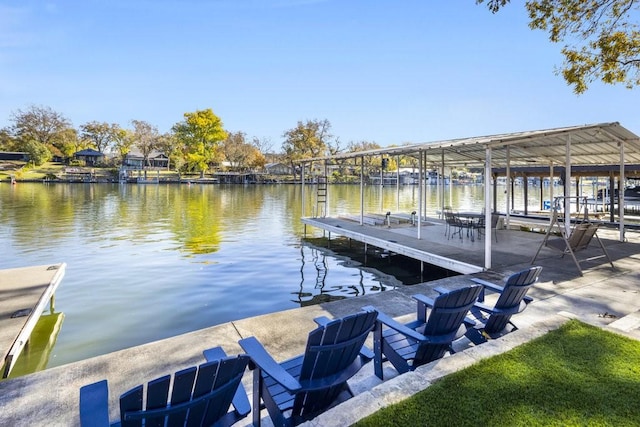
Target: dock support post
{"type": "Point", "coordinates": [567, 186]}
{"type": "Point", "coordinates": [509, 190]}
{"type": "Point", "coordinates": [621, 193]}
{"type": "Point", "coordinates": [361, 190]}
{"type": "Point", "coordinates": [612, 199]}
{"type": "Point", "coordinates": [541, 193]}
{"type": "Point", "coordinates": [366, 250]}
{"type": "Point", "coordinates": [302, 188]}
{"type": "Point", "coordinates": [397, 183]}
{"type": "Point", "coordinates": [420, 193]}
{"type": "Point", "coordinates": [487, 204]}
{"type": "Point", "coordinates": [526, 194]}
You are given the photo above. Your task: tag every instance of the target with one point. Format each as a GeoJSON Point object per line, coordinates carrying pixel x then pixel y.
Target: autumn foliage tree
{"type": "Point", "coordinates": [70, 143]}
{"type": "Point", "coordinates": [169, 145]}
{"type": "Point", "coordinates": [101, 134]}
{"type": "Point", "coordinates": [240, 153]}
{"type": "Point", "coordinates": [145, 138]}
{"type": "Point", "coordinates": [306, 140]}
{"type": "Point", "coordinates": [7, 141]}
{"type": "Point", "coordinates": [601, 40]}
{"type": "Point", "coordinates": [40, 131]}
{"type": "Point", "coordinates": [123, 140]}
{"type": "Point", "coordinates": [369, 161]}
{"type": "Point", "coordinates": [201, 132]}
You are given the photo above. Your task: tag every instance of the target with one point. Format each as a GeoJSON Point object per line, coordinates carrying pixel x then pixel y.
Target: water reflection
{"type": "Point", "coordinates": [35, 356]}
{"type": "Point", "coordinates": [146, 262]}
{"type": "Point", "coordinates": [316, 280]}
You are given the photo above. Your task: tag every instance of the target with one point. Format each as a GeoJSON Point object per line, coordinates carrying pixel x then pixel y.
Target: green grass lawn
{"type": "Point", "coordinates": [20, 172]}
{"type": "Point", "coordinates": [578, 375]}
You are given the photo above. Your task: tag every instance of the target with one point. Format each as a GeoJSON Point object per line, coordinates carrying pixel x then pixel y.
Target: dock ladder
{"type": "Point", "coordinates": [321, 197]}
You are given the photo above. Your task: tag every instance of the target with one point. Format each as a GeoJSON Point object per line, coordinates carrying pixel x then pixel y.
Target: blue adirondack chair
{"type": "Point", "coordinates": [302, 387]}
{"type": "Point", "coordinates": [427, 338]}
{"type": "Point", "coordinates": [513, 299]}
{"type": "Point", "coordinates": [200, 396]}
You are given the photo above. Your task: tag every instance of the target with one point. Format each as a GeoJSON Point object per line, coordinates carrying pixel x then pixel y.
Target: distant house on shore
{"type": "Point", "coordinates": [89, 156]}
{"type": "Point", "coordinates": [16, 156]}
{"type": "Point", "coordinates": [278, 169]}
{"type": "Point", "coordinates": [156, 160]}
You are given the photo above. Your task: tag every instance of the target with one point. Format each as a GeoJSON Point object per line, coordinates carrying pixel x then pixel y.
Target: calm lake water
{"type": "Point", "coordinates": [146, 262]}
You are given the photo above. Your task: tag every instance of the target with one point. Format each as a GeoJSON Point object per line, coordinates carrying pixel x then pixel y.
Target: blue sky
{"type": "Point", "coordinates": [389, 72]}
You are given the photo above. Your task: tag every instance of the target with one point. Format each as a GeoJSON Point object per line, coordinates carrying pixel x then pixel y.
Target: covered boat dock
{"type": "Point", "coordinates": [560, 151]}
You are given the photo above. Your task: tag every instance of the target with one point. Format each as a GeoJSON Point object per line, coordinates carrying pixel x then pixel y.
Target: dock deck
{"type": "Point", "coordinates": [24, 294]}
{"type": "Point", "coordinates": [462, 255]}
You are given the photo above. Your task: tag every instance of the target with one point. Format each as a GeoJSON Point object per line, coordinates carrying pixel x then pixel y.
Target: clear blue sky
{"type": "Point", "coordinates": [384, 71]}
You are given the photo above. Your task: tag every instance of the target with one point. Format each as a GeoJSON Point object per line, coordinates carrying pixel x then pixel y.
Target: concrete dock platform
{"type": "Point", "coordinates": [24, 294]}
{"type": "Point", "coordinates": [602, 297]}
